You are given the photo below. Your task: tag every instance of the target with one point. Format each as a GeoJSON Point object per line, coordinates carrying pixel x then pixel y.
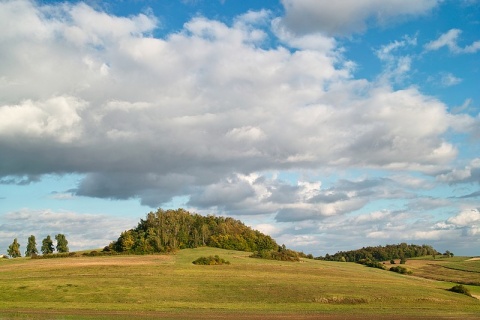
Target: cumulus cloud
{"type": "Point", "coordinates": [450, 40]}
{"type": "Point", "coordinates": [148, 117]}
{"type": "Point", "coordinates": [346, 17]}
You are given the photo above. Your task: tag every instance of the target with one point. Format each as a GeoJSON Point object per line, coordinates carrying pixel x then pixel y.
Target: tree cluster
{"type": "Point", "coordinates": [32, 251]}
{"type": "Point", "coordinates": [170, 230]}
{"type": "Point", "coordinates": [383, 253]}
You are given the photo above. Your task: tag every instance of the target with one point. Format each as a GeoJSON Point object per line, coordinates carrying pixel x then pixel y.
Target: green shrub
{"type": "Point", "coordinates": [55, 255]}
{"type": "Point", "coordinates": [210, 261]}
{"type": "Point", "coordinates": [372, 264]}
{"type": "Point", "coordinates": [282, 254]}
{"type": "Point", "coordinates": [401, 270]}
{"type": "Point", "coordinates": [460, 289]}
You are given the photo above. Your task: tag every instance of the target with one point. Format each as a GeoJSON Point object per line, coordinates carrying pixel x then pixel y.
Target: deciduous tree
{"type": "Point", "coordinates": [14, 249]}
{"type": "Point", "coordinates": [62, 243]}
{"type": "Point", "coordinates": [47, 245]}
{"type": "Point", "coordinates": [31, 247]}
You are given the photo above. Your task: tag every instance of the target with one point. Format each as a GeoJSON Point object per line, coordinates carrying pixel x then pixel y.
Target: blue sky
{"type": "Point", "coordinates": [330, 126]}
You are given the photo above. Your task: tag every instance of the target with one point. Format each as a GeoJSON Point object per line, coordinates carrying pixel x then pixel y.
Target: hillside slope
{"type": "Point", "coordinates": [170, 286]}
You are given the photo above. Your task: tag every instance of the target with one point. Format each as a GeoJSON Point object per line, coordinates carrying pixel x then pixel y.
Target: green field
{"type": "Point", "coordinates": [171, 287]}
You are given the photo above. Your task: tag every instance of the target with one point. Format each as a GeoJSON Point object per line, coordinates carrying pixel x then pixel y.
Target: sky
{"type": "Point", "coordinates": [329, 125]}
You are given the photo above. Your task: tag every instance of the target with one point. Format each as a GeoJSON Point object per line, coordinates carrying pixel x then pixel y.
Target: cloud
{"type": "Point", "coordinates": [337, 233]}
{"type": "Point", "coordinates": [450, 40]}
{"type": "Point", "coordinates": [396, 67]}
{"type": "Point", "coordinates": [83, 231]}
{"type": "Point", "coordinates": [206, 112]}
{"type": "Point", "coordinates": [449, 80]}
{"type": "Point", "coordinates": [466, 218]}
{"type": "Point", "coordinates": [470, 173]}
{"type": "Point", "coordinates": [346, 17]}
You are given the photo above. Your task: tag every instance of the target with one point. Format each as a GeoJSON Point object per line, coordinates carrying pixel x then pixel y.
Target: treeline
{"type": "Point", "coordinates": [47, 246]}
{"type": "Point", "coordinates": [382, 253]}
{"type": "Point", "coordinates": [170, 230]}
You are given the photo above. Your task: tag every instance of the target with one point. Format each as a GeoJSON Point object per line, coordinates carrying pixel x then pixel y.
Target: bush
{"type": "Point", "coordinates": [55, 255]}
{"type": "Point", "coordinates": [392, 261]}
{"type": "Point", "coordinates": [210, 261]}
{"type": "Point", "coordinates": [460, 289]}
{"type": "Point", "coordinates": [281, 255]}
{"type": "Point", "coordinates": [401, 270]}
{"type": "Point", "coordinates": [372, 264]}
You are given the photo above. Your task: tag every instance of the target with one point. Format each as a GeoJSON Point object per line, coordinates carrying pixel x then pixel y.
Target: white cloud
{"type": "Point", "coordinates": [57, 118]}
{"type": "Point", "coordinates": [449, 80]}
{"type": "Point", "coordinates": [158, 117]}
{"type": "Point", "coordinates": [466, 218]}
{"type": "Point", "coordinates": [396, 66]}
{"type": "Point", "coordinates": [450, 40]}
{"type": "Point", "coordinates": [348, 16]}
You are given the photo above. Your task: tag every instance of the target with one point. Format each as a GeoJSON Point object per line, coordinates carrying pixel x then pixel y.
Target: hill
{"type": "Point", "coordinates": [172, 287]}
{"type": "Point", "coordinates": [170, 230]}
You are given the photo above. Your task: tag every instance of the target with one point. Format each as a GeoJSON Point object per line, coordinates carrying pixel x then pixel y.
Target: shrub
{"type": "Point", "coordinates": [392, 261]}
{"type": "Point", "coordinates": [372, 264]}
{"type": "Point", "coordinates": [460, 289]}
{"type": "Point", "coordinates": [210, 260]}
{"type": "Point", "coordinates": [401, 270]}
{"type": "Point", "coordinates": [282, 255]}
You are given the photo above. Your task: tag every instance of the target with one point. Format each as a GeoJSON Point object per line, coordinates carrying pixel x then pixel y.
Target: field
{"type": "Point", "coordinates": [171, 287]}
{"type": "Point", "coordinates": [459, 270]}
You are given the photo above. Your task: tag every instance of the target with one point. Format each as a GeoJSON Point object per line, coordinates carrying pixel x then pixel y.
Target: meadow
{"type": "Point", "coordinates": [171, 287]}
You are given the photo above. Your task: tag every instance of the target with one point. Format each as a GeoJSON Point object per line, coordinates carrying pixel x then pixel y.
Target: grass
{"type": "Point", "coordinates": [457, 269]}
{"type": "Point", "coordinates": [170, 286]}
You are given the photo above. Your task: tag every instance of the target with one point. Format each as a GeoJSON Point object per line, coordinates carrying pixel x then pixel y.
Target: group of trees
{"type": "Point", "coordinates": [170, 230]}
{"type": "Point", "coordinates": [383, 253]}
{"type": "Point", "coordinates": [47, 246]}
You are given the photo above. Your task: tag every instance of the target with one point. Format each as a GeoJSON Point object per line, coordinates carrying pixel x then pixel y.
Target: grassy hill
{"type": "Point", "coordinates": [171, 287]}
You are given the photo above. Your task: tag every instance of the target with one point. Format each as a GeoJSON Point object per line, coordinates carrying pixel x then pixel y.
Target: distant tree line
{"type": "Point", "coordinates": [170, 230]}
{"type": "Point", "coordinates": [47, 246]}
{"type": "Point", "coordinates": [383, 253]}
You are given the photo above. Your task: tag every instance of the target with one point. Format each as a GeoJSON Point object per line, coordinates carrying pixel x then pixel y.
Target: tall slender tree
{"type": "Point", "coordinates": [47, 245]}
{"type": "Point", "coordinates": [31, 247]}
{"type": "Point", "coordinates": [62, 243]}
{"type": "Point", "coordinates": [14, 249]}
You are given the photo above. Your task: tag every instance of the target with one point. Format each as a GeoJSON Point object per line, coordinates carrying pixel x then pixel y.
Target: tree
{"type": "Point", "coordinates": [47, 245]}
{"type": "Point", "coordinates": [14, 249]}
{"type": "Point", "coordinates": [31, 247]}
{"type": "Point", "coordinates": [62, 243]}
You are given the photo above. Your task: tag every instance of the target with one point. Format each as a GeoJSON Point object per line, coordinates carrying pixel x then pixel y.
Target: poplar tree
{"type": "Point", "coordinates": [47, 245]}
{"type": "Point", "coordinates": [31, 247]}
